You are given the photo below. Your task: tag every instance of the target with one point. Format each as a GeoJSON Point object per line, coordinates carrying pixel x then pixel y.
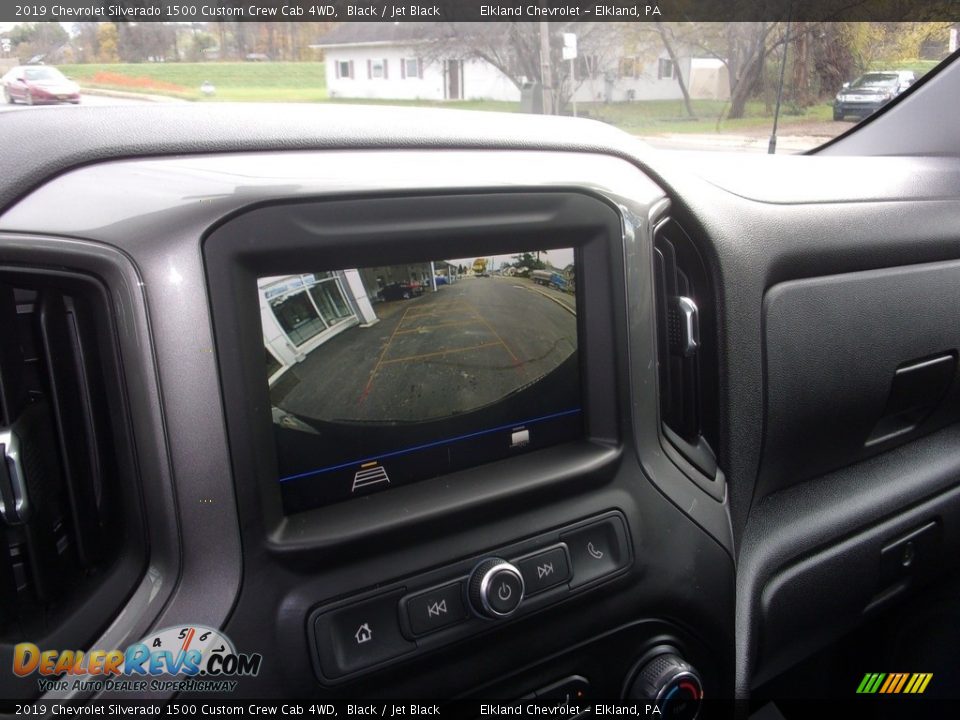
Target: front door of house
{"type": "Point", "coordinates": [454, 73]}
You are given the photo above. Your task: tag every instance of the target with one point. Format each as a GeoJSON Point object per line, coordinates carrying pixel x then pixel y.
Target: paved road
{"type": "Point", "coordinates": [454, 351]}
{"type": "Point", "coordinates": [91, 100]}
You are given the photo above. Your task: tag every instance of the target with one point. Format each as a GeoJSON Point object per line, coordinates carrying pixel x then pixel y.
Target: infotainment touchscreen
{"type": "Point", "coordinates": [383, 376]}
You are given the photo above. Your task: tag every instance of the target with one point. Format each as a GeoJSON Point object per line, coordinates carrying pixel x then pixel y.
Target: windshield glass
{"type": "Point", "coordinates": [875, 80]}
{"type": "Point", "coordinates": [42, 73]}
{"type": "Point", "coordinates": [675, 85]}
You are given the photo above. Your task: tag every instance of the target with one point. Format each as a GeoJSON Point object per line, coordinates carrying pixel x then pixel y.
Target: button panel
{"type": "Point", "coordinates": [358, 634]}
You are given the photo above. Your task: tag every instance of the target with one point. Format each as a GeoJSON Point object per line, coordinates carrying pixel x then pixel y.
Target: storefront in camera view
{"type": "Point", "coordinates": [301, 312]}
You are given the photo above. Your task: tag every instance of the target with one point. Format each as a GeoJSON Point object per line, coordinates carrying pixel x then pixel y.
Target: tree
{"type": "Point", "coordinates": [529, 261]}
{"type": "Point", "coordinates": [108, 40]}
{"type": "Point", "coordinates": [87, 41]}
{"type": "Point", "coordinates": [200, 41]}
{"type": "Point", "coordinates": [743, 47]}
{"type": "Point", "coordinates": [669, 44]}
{"type": "Point", "coordinates": [747, 46]}
{"type": "Point", "coordinates": [513, 48]}
{"type": "Point", "coordinates": [37, 40]}
{"type": "Point", "coordinates": [146, 42]}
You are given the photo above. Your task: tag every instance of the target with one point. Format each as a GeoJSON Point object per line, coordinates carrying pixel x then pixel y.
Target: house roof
{"type": "Point", "coordinates": [385, 33]}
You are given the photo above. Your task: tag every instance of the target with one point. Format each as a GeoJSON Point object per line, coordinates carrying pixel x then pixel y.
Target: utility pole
{"type": "Point", "coordinates": [570, 53]}
{"type": "Point", "coordinates": [545, 68]}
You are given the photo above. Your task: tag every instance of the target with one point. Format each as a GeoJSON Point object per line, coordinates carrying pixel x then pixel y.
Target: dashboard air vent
{"type": "Point", "coordinates": [63, 441]}
{"type": "Point", "coordinates": [686, 350]}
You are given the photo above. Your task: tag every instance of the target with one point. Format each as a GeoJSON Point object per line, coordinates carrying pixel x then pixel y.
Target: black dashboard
{"type": "Point", "coordinates": [729, 453]}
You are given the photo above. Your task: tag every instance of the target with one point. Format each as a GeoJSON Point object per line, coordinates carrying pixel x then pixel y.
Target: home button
{"type": "Point", "coordinates": [360, 635]}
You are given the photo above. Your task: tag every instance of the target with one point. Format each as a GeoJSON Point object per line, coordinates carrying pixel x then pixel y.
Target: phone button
{"type": "Point", "coordinates": [597, 550]}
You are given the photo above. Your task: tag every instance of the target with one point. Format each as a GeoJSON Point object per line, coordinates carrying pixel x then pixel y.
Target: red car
{"type": "Point", "coordinates": [36, 84]}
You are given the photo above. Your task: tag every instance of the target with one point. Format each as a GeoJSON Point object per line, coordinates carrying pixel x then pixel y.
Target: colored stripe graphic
{"type": "Point", "coordinates": [903, 680]}
{"type": "Point", "coordinates": [894, 683]}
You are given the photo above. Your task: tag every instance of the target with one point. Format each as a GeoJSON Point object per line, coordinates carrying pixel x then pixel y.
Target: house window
{"type": "Point", "coordinates": [411, 67]}
{"type": "Point", "coordinates": [376, 71]}
{"type": "Point", "coordinates": [344, 69]}
{"type": "Point", "coordinates": [629, 67]}
{"type": "Point", "coordinates": [664, 68]}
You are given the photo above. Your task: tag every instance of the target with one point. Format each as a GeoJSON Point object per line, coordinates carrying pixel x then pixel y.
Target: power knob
{"type": "Point", "coordinates": [672, 682]}
{"type": "Point", "coordinates": [496, 588]}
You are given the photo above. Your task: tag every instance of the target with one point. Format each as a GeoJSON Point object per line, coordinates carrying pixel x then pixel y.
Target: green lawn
{"type": "Point", "coordinates": [237, 81]}
{"type": "Point", "coordinates": [669, 116]}
{"type": "Point", "coordinates": [485, 105]}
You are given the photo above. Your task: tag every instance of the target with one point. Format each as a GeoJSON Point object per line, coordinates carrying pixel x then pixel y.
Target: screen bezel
{"type": "Point", "coordinates": [313, 235]}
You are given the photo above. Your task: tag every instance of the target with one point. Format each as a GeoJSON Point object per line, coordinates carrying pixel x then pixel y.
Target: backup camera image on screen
{"type": "Point", "coordinates": [382, 376]}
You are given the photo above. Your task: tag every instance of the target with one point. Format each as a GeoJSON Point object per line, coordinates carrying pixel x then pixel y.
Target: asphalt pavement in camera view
{"type": "Point", "coordinates": [459, 349]}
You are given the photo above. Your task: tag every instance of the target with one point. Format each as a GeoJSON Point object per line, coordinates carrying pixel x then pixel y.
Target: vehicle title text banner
{"type": "Point", "coordinates": [394, 11]}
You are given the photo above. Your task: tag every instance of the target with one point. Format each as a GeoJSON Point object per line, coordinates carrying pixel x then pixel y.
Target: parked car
{"type": "Point", "coordinates": [401, 291]}
{"type": "Point", "coordinates": [870, 92]}
{"type": "Point", "coordinates": [39, 84]}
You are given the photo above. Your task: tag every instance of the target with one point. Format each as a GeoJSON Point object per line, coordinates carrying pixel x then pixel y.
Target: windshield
{"type": "Point", "coordinates": [42, 73]}
{"type": "Point", "coordinates": [876, 80]}
{"type": "Point", "coordinates": [674, 85]}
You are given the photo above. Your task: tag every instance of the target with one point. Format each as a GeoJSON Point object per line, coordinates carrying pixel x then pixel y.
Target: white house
{"type": "Point", "coordinates": [387, 61]}
{"type": "Point", "coordinates": [398, 61]}
{"type": "Point", "coordinates": [626, 78]}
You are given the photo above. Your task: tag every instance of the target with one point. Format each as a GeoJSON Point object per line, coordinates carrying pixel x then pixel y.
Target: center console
{"type": "Point", "coordinates": [431, 406]}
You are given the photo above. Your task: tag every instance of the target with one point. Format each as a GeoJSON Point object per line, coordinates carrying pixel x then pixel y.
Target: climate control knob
{"type": "Point", "coordinates": [496, 588]}
{"type": "Point", "coordinates": [672, 683]}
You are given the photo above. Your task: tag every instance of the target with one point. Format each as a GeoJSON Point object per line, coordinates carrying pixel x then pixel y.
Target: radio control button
{"type": "Point", "coordinates": [544, 570]}
{"type": "Point", "coordinates": [435, 609]}
{"type": "Point", "coordinates": [496, 588]}
{"type": "Point", "coordinates": [357, 636]}
{"type": "Point", "coordinates": [596, 550]}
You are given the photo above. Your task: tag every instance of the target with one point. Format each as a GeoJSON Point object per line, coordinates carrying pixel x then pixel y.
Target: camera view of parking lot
{"type": "Point", "coordinates": [409, 348]}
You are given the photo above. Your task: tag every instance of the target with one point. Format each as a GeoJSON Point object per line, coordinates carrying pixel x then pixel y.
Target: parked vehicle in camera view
{"type": "Point", "coordinates": [401, 290]}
